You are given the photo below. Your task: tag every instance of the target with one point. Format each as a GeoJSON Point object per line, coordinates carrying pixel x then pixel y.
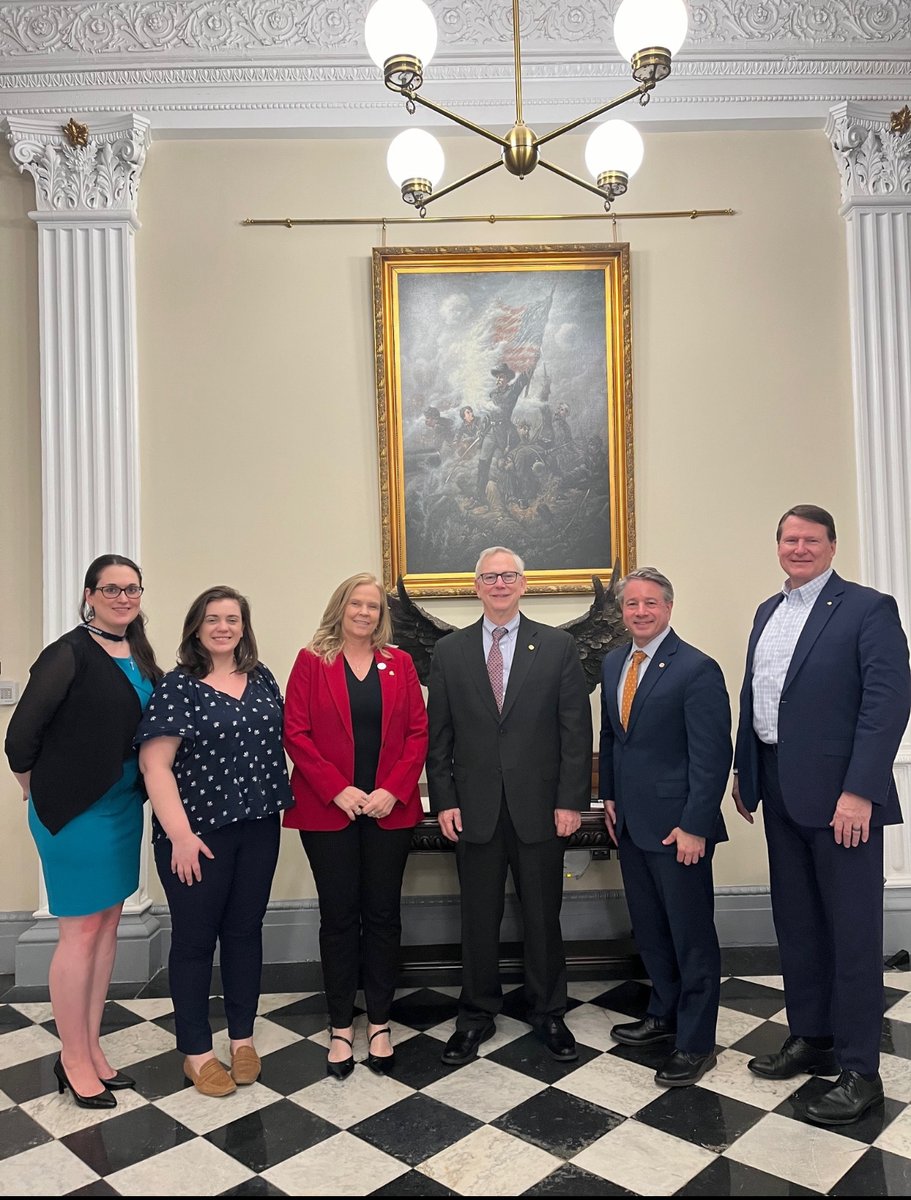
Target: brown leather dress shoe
{"type": "Point", "coordinates": [211, 1079]}
{"type": "Point", "coordinates": [246, 1065]}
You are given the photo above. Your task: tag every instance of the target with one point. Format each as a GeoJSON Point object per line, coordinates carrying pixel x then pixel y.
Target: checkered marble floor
{"type": "Point", "coordinates": [514, 1122]}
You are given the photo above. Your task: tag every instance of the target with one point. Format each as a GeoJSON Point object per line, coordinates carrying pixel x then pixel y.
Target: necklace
{"type": "Point", "coordinates": [103, 633]}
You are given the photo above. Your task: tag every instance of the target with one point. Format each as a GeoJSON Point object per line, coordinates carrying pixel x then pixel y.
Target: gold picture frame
{"type": "Point", "coordinates": [535, 341]}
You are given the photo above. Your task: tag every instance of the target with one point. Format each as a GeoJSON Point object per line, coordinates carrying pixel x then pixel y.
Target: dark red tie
{"type": "Point", "coordinates": [495, 664]}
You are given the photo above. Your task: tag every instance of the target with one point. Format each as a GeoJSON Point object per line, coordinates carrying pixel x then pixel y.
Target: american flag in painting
{"type": "Point", "coordinates": [518, 331]}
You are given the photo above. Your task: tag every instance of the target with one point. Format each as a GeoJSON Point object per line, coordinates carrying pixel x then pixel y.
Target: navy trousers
{"type": "Point", "coordinates": [672, 908]}
{"type": "Point", "coordinates": [827, 904]}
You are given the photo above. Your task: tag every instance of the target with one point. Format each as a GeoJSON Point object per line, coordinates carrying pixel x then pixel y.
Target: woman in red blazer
{"type": "Point", "coordinates": [356, 733]}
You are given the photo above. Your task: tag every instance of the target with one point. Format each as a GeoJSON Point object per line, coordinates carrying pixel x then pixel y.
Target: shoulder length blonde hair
{"type": "Point", "coordinates": [328, 640]}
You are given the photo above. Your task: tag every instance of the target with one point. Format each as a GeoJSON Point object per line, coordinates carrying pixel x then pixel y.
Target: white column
{"type": "Point", "coordinates": [872, 149]}
{"type": "Point", "coordinates": [85, 185]}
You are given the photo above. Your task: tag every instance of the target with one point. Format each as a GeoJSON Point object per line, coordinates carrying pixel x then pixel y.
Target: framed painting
{"type": "Point", "coordinates": [504, 412]}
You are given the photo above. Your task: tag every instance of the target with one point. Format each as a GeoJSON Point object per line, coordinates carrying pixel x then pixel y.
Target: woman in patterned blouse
{"type": "Point", "coordinates": [211, 753]}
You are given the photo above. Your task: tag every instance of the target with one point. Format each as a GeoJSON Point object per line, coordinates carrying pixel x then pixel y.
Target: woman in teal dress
{"type": "Point", "coordinates": [70, 745]}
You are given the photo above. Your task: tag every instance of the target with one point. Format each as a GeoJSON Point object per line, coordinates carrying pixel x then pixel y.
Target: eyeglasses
{"type": "Point", "coordinates": [112, 591]}
{"type": "Point", "coordinates": [490, 577]}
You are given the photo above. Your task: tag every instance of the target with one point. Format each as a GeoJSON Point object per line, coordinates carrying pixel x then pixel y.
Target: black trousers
{"type": "Point", "coordinates": [827, 904]}
{"type": "Point", "coordinates": [358, 872]}
{"type": "Point", "coordinates": [672, 908]}
{"type": "Point", "coordinates": [227, 907]}
{"type": "Point", "coordinates": [537, 872]}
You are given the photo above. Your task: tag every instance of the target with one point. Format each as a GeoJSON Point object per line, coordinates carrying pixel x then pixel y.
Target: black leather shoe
{"type": "Point", "coordinates": [462, 1047]}
{"type": "Point", "coordinates": [558, 1041]}
{"type": "Point", "coordinates": [644, 1032]}
{"type": "Point", "coordinates": [99, 1100]}
{"type": "Point", "coordinates": [847, 1101]}
{"type": "Point", "coordinates": [342, 1069]}
{"type": "Point", "coordinates": [682, 1069]}
{"type": "Point", "coordinates": [795, 1057]}
{"type": "Point", "coordinates": [118, 1081]}
{"type": "Point", "coordinates": [380, 1064]}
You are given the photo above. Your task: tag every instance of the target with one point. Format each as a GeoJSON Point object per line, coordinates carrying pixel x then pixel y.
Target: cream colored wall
{"type": "Point", "coordinates": [257, 387]}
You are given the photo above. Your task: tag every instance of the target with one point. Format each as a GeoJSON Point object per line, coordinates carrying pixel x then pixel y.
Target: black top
{"type": "Point", "coordinates": [366, 702]}
{"type": "Point", "coordinates": [73, 727]}
{"type": "Point", "coordinates": [230, 765]}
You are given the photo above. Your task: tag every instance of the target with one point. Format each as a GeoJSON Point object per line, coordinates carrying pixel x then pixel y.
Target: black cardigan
{"type": "Point", "coordinates": [73, 727]}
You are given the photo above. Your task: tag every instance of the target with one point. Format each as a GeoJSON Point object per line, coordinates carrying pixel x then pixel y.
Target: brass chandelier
{"type": "Point", "coordinates": [401, 37]}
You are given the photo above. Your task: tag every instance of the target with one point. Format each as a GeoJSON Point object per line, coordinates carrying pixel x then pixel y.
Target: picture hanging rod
{"type": "Point", "coordinates": [691, 214]}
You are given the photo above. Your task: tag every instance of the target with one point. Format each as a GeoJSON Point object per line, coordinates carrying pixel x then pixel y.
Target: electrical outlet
{"type": "Point", "coordinates": [9, 691]}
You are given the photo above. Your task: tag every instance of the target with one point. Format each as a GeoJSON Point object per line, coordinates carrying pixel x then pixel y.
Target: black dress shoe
{"type": "Point", "coordinates": [644, 1032]}
{"type": "Point", "coordinates": [462, 1047]}
{"type": "Point", "coordinates": [558, 1041]}
{"type": "Point", "coordinates": [796, 1057]}
{"type": "Point", "coordinates": [682, 1069]}
{"type": "Point", "coordinates": [380, 1064]}
{"type": "Point", "coordinates": [847, 1101]}
{"type": "Point", "coordinates": [118, 1081]}
{"type": "Point", "coordinates": [99, 1100]}
{"type": "Point", "coordinates": [340, 1070]}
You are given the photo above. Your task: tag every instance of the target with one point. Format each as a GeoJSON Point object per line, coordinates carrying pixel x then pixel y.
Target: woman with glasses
{"type": "Point", "coordinates": [211, 754]}
{"type": "Point", "coordinates": [356, 733]}
{"type": "Point", "coordinates": [70, 745]}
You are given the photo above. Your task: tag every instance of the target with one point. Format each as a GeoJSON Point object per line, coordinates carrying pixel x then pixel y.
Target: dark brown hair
{"type": "Point", "coordinates": [192, 655]}
{"type": "Point", "coordinates": [809, 512]}
{"type": "Point", "coordinates": [140, 646]}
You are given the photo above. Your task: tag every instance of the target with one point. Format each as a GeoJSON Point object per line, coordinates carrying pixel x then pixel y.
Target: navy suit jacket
{"type": "Point", "coordinates": [537, 752]}
{"type": "Point", "coordinates": [844, 707]}
{"type": "Point", "coordinates": [670, 766]}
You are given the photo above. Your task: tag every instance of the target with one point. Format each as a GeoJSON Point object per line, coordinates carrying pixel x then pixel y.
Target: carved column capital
{"type": "Point", "coordinates": [872, 149]}
{"type": "Point", "coordinates": [91, 169]}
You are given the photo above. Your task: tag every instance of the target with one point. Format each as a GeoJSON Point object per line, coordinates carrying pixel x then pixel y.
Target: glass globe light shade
{"type": "Point", "coordinates": [415, 154]}
{"type": "Point", "coordinates": [400, 27]}
{"type": "Point", "coordinates": [614, 146]}
{"type": "Point", "coordinates": [643, 24]}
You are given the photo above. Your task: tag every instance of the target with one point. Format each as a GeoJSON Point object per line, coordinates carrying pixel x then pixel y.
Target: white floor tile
{"type": "Point", "coordinates": [804, 1154]}
{"type": "Point", "coordinates": [202, 1114]}
{"type": "Point", "coordinates": [49, 1170]}
{"type": "Point", "coordinates": [731, 1078]}
{"type": "Point", "coordinates": [484, 1089]}
{"type": "Point", "coordinates": [22, 1045]}
{"type": "Point", "coordinates": [489, 1162]}
{"type": "Point", "coordinates": [340, 1166]}
{"type": "Point", "coordinates": [623, 1087]}
{"type": "Point", "coordinates": [195, 1168]}
{"type": "Point", "coordinates": [344, 1102]}
{"type": "Point", "coordinates": [644, 1160]}
{"type": "Point", "coordinates": [61, 1115]}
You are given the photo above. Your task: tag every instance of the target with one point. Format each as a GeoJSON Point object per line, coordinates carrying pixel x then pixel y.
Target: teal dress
{"type": "Point", "coordinates": [93, 862]}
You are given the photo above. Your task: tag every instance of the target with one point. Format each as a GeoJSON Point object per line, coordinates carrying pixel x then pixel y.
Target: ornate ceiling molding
{"type": "Point", "coordinates": [301, 64]}
{"type": "Point", "coordinates": [872, 152]}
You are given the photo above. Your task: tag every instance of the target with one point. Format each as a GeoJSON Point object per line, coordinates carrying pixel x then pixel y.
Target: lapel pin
{"type": "Point", "coordinates": [829, 602]}
{"type": "Point", "coordinates": [530, 646]}
{"type": "Point", "coordinates": [381, 666]}
{"type": "Point", "coordinates": [661, 664]}
{"type": "Point", "coordinates": [391, 673]}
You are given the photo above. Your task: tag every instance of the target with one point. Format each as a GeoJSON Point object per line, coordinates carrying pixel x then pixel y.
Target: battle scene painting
{"type": "Point", "coordinates": [504, 412]}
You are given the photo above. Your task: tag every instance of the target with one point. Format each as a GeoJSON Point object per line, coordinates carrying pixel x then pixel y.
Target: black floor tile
{"type": "Point", "coordinates": [302, 1016]}
{"type": "Point", "coordinates": [892, 996]}
{"type": "Point", "coordinates": [413, 1183]}
{"type": "Point", "coordinates": [878, 1173]}
{"type": "Point", "coordinates": [753, 998]}
{"type": "Point", "coordinates": [646, 1056]}
{"type": "Point", "coordinates": [19, 1132]}
{"type": "Point", "coordinates": [115, 1017]}
{"type": "Point", "coordinates": [417, 1061]}
{"type": "Point", "coordinates": [424, 1008]}
{"type": "Point", "coordinates": [527, 1054]}
{"type": "Point", "coordinates": [125, 1140]}
{"type": "Point", "coordinates": [415, 1129]}
{"type": "Point", "coordinates": [767, 1038]}
{"type": "Point", "coordinates": [98, 1188]}
{"type": "Point", "coordinates": [702, 1117]}
{"type": "Point", "coordinates": [558, 1122]}
{"type": "Point", "coordinates": [294, 1067]}
{"type": "Point", "coordinates": [217, 1019]}
{"type": "Point", "coordinates": [896, 1038]}
{"type": "Point", "coordinates": [11, 1018]}
{"type": "Point", "coordinates": [158, 1076]}
{"type": "Point", "coordinates": [264, 1138]}
{"type": "Point", "coordinates": [724, 1177]}
{"type": "Point", "coordinates": [257, 1186]}
{"type": "Point", "coordinates": [630, 998]}
{"type": "Point", "coordinates": [570, 1180]}
{"type": "Point", "coordinates": [27, 1080]}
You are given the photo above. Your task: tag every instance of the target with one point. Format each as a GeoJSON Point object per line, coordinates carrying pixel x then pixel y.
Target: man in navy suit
{"type": "Point", "coordinates": [665, 757]}
{"type": "Point", "coordinates": [824, 704]}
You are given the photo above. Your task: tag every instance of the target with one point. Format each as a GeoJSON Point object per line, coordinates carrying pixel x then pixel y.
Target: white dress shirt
{"type": "Point", "coordinates": [774, 652]}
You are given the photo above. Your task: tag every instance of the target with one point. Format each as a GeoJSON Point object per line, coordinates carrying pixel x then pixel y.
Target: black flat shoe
{"type": "Point", "coordinates": [558, 1041]}
{"type": "Point", "coordinates": [382, 1065]}
{"type": "Point", "coordinates": [796, 1057]}
{"type": "Point", "coordinates": [341, 1070]}
{"type": "Point", "coordinates": [462, 1047]}
{"type": "Point", "coordinates": [102, 1100]}
{"type": "Point", "coordinates": [683, 1070]}
{"type": "Point", "coordinates": [118, 1081]}
{"type": "Point", "coordinates": [847, 1101]}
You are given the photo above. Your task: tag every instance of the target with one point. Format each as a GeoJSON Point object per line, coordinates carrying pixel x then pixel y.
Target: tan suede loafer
{"type": "Point", "coordinates": [211, 1080]}
{"type": "Point", "coordinates": [246, 1065]}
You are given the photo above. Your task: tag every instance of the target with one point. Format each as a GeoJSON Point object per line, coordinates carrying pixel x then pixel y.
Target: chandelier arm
{"type": "Point", "coordinates": [639, 90]}
{"type": "Point", "coordinates": [517, 56]}
{"type": "Point", "coordinates": [498, 162]}
{"type": "Point", "coordinates": [463, 121]}
{"type": "Point", "coordinates": [589, 187]}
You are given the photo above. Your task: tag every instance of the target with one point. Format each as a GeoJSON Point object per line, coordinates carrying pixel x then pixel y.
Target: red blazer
{"type": "Point", "coordinates": [320, 741]}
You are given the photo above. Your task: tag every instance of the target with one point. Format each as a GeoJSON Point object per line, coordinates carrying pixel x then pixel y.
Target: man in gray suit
{"type": "Point", "coordinates": [509, 771]}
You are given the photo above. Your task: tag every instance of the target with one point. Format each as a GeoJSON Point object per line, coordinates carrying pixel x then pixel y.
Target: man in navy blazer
{"type": "Point", "coordinates": [824, 704]}
{"type": "Point", "coordinates": [665, 757]}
